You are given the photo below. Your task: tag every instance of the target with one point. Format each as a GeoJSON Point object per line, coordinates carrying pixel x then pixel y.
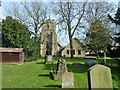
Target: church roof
{"type": "Point", "coordinates": [78, 41]}
{"type": "Point", "coordinates": [59, 45]}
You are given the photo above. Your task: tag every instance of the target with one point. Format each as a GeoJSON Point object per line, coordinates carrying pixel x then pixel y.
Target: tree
{"type": "Point", "coordinates": [70, 15]}
{"type": "Point", "coordinates": [98, 38]}
{"type": "Point", "coordinates": [14, 33]}
{"type": "Point", "coordinates": [116, 52]}
{"type": "Point", "coordinates": [98, 11]}
{"type": "Point", "coordinates": [29, 13]}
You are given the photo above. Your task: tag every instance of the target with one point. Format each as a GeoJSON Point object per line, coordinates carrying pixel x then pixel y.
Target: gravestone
{"type": "Point", "coordinates": [49, 59]}
{"type": "Point", "coordinates": [89, 62]}
{"type": "Point", "coordinates": [99, 76]}
{"type": "Point", "coordinates": [61, 66]}
{"type": "Point", "coordinates": [68, 80]}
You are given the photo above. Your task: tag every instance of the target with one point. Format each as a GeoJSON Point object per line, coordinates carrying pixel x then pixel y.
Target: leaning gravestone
{"type": "Point", "coordinates": [68, 80]}
{"type": "Point", "coordinates": [49, 59]}
{"type": "Point", "coordinates": [99, 76]}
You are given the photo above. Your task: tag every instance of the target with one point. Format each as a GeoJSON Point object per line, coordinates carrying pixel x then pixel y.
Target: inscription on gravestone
{"type": "Point", "coordinates": [99, 76]}
{"type": "Point", "coordinates": [68, 80]}
{"type": "Point", "coordinates": [49, 58]}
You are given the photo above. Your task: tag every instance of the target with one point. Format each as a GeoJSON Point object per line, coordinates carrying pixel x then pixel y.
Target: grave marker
{"type": "Point", "coordinates": [99, 76]}
{"type": "Point", "coordinates": [49, 59]}
{"type": "Point", "coordinates": [61, 68]}
{"type": "Point", "coordinates": [68, 80]}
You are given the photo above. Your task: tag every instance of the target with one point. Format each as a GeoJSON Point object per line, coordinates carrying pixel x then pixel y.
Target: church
{"type": "Point", "coordinates": [50, 46]}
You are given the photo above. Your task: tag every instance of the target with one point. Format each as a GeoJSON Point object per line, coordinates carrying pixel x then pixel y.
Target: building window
{"type": "Point", "coordinates": [73, 52]}
{"type": "Point", "coordinates": [67, 52]}
{"type": "Point", "coordinates": [79, 52]}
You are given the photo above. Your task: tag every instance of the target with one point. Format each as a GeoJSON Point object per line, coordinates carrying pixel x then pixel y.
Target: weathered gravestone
{"type": "Point", "coordinates": [49, 59]}
{"type": "Point", "coordinates": [99, 76]}
{"type": "Point", "coordinates": [89, 62]}
{"type": "Point", "coordinates": [61, 68]}
{"type": "Point", "coordinates": [68, 80]}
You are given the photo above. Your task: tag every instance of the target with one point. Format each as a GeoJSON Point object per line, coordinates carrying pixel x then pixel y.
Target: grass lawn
{"type": "Point", "coordinates": [36, 74]}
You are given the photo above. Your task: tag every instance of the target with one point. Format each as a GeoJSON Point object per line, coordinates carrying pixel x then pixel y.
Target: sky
{"type": "Point", "coordinates": [63, 43]}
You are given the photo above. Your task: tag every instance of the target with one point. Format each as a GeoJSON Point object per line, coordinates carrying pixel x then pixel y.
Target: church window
{"type": "Point", "coordinates": [73, 52]}
{"type": "Point", "coordinates": [67, 52]}
{"type": "Point", "coordinates": [79, 52]}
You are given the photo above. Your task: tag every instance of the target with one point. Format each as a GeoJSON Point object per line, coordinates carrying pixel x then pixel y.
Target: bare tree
{"type": "Point", "coordinates": [30, 13]}
{"type": "Point", "coordinates": [70, 15]}
{"type": "Point", "coordinates": [96, 11]}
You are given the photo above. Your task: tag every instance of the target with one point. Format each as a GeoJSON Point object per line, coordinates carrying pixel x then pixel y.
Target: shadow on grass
{"type": "Point", "coordinates": [82, 69]}
{"type": "Point", "coordinates": [55, 86]}
{"type": "Point", "coordinates": [40, 63]}
{"type": "Point", "coordinates": [50, 66]}
{"type": "Point", "coordinates": [44, 75]}
{"type": "Point", "coordinates": [70, 68]}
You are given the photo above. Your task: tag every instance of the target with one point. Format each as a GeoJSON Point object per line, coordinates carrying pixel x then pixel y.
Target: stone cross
{"type": "Point", "coordinates": [68, 80]}
{"type": "Point", "coordinates": [99, 76]}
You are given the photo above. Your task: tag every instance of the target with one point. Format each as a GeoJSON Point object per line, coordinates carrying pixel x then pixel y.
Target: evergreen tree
{"type": "Point", "coordinates": [116, 51]}
{"type": "Point", "coordinates": [15, 34]}
{"type": "Point", "coordinates": [98, 38]}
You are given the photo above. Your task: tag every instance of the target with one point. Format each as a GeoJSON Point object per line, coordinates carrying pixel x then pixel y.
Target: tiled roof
{"type": "Point", "coordinates": [10, 49]}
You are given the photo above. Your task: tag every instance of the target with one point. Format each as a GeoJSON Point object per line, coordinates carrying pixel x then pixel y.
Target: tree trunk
{"type": "Point", "coordinates": [69, 31]}
{"type": "Point", "coordinates": [98, 55]}
{"type": "Point", "coordinates": [104, 57]}
{"type": "Point", "coordinates": [71, 48]}
{"type": "Point", "coordinates": [70, 39]}
{"type": "Point", "coordinates": [36, 38]}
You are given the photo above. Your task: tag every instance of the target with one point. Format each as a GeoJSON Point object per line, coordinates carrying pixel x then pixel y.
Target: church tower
{"type": "Point", "coordinates": [49, 44]}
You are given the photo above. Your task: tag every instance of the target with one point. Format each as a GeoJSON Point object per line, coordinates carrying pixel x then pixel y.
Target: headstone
{"type": "Point", "coordinates": [49, 59]}
{"type": "Point", "coordinates": [89, 62]}
{"type": "Point", "coordinates": [99, 76]}
{"type": "Point", "coordinates": [61, 66]}
{"type": "Point", "coordinates": [68, 80]}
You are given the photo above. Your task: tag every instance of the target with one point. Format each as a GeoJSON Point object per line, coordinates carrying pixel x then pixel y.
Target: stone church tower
{"type": "Point", "coordinates": [49, 44]}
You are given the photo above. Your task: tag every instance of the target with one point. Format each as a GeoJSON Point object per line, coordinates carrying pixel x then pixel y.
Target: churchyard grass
{"type": "Point", "coordinates": [35, 74]}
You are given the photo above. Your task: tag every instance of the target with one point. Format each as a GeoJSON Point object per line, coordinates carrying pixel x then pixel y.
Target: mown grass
{"type": "Point", "coordinates": [36, 74]}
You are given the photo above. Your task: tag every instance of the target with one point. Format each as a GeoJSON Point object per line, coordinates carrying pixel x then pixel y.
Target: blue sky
{"type": "Point", "coordinates": [63, 43]}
